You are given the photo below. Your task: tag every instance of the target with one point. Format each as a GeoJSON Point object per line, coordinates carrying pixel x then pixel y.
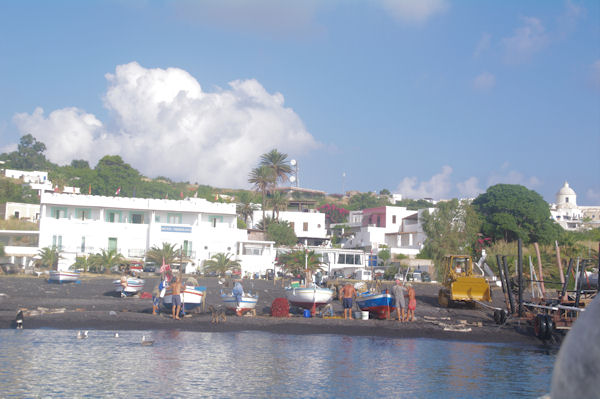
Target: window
{"type": "Point", "coordinates": [215, 219]}
{"type": "Point", "coordinates": [357, 260]}
{"type": "Point", "coordinates": [187, 248]}
{"type": "Point", "coordinates": [174, 218]}
{"type": "Point", "coordinates": [157, 218]}
{"type": "Point", "coordinates": [83, 213]}
{"type": "Point", "coordinates": [567, 199]}
{"type": "Point", "coordinates": [305, 226]}
{"type": "Point", "coordinates": [112, 243]}
{"type": "Point", "coordinates": [341, 259]}
{"type": "Point", "coordinates": [137, 218]}
{"type": "Point", "coordinates": [16, 214]}
{"type": "Point", "coordinates": [394, 219]}
{"type": "Point", "coordinates": [57, 242]}
{"type": "Point", "coordinates": [113, 216]}
{"type": "Point", "coordinates": [58, 213]}
{"type": "Point", "coordinates": [378, 221]}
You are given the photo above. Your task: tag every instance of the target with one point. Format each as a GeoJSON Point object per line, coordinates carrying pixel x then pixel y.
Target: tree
{"type": "Point", "coordinates": [220, 263]}
{"type": "Point", "coordinates": [49, 257]}
{"type": "Point", "coordinates": [278, 163]}
{"type": "Point", "coordinates": [167, 254]}
{"type": "Point", "coordinates": [106, 259]}
{"type": "Point", "coordinates": [511, 211]}
{"type": "Point", "coordinates": [262, 178]}
{"type": "Point", "coordinates": [364, 201]}
{"type": "Point", "coordinates": [334, 214]}
{"type": "Point", "coordinates": [279, 203]}
{"type": "Point", "coordinates": [385, 191]}
{"type": "Point", "coordinates": [245, 211]}
{"type": "Point", "coordinates": [112, 174]}
{"type": "Point", "coordinates": [296, 262]}
{"type": "Point", "coordinates": [264, 223]}
{"type": "Point", "coordinates": [29, 155]}
{"type": "Point", "coordinates": [451, 228]}
{"type": "Point", "coordinates": [282, 233]}
{"type": "Point", "coordinates": [385, 255]}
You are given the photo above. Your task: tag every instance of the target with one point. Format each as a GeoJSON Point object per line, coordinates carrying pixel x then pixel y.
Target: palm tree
{"type": "Point", "coordinates": [220, 263]}
{"type": "Point", "coordinates": [167, 254]}
{"type": "Point", "coordinates": [279, 203]}
{"type": "Point", "coordinates": [107, 259]}
{"type": "Point", "coordinates": [264, 223]}
{"type": "Point", "coordinates": [300, 261]}
{"type": "Point", "coordinates": [49, 257]}
{"type": "Point", "coordinates": [262, 178]}
{"type": "Point", "coordinates": [278, 163]}
{"type": "Point", "coordinates": [245, 211]}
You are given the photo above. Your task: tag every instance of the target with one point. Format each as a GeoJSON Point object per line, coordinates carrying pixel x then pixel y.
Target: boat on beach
{"type": "Point", "coordinates": [191, 297]}
{"type": "Point", "coordinates": [247, 302]}
{"type": "Point", "coordinates": [307, 297]}
{"type": "Point", "coordinates": [378, 304]}
{"type": "Point", "coordinates": [63, 276]}
{"type": "Point", "coordinates": [133, 286]}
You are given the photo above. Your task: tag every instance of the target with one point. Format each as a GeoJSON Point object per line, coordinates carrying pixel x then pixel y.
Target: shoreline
{"type": "Point", "coordinates": [93, 305]}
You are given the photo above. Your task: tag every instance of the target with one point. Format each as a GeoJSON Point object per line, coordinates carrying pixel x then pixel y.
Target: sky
{"type": "Point", "coordinates": [427, 98]}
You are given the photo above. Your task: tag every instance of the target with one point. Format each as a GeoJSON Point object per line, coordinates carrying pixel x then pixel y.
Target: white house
{"type": "Point", "coordinates": [22, 211]}
{"type": "Point", "coordinates": [308, 226]}
{"type": "Point", "coordinates": [398, 228]}
{"type": "Point", "coordinates": [38, 181]}
{"type": "Point", "coordinates": [85, 224]}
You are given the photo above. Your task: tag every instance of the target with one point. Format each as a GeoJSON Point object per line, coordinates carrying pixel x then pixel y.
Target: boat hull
{"type": "Point", "coordinates": [247, 303]}
{"type": "Point", "coordinates": [308, 297]}
{"type": "Point", "coordinates": [380, 305]}
{"type": "Point", "coordinates": [191, 298]}
{"type": "Point", "coordinates": [134, 286]}
{"type": "Point", "coordinates": [63, 277]}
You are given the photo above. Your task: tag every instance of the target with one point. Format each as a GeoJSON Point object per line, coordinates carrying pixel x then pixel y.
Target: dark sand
{"type": "Point", "coordinates": [93, 304]}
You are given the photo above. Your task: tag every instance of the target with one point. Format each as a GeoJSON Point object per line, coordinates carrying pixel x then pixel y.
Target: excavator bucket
{"type": "Point", "coordinates": [470, 288]}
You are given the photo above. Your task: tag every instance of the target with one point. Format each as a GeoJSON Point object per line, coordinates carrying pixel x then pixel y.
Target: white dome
{"type": "Point", "coordinates": [566, 190]}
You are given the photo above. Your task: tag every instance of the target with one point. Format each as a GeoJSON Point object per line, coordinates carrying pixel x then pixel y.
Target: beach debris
{"type": "Point", "coordinates": [82, 334]}
{"type": "Point", "coordinates": [19, 320]}
{"type": "Point", "coordinates": [280, 307]}
{"type": "Point", "coordinates": [146, 341]}
{"type": "Point", "coordinates": [112, 313]}
{"type": "Point", "coordinates": [457, 329]}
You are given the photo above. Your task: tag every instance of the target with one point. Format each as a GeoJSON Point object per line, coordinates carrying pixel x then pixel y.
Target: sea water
{"type": "Point", "coordinates": [55, 363]}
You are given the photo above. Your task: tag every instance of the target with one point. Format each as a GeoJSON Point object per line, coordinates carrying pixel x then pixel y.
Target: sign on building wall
{"type": "Point", "coordinates": [175, 229]}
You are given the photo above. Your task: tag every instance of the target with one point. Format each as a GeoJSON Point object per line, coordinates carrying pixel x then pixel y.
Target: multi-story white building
{"type": "Point", "coordinates": [38, 181]}
{"type": "Point", "coordinates": [569, 215]}
{"type": "Point", "coordinates": [308, 226]}
{"type": "Point", "coordinates": [85, 224]}
{"type": "Point", "coordinates": [398, 228]}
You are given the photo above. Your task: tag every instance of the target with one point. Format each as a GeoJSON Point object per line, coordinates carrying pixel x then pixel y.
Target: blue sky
{"type": "Point", "coordinates": [429, 98]}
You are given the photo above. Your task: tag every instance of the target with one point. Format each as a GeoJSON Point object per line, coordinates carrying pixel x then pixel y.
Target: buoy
{"type": "Point", "coordinates": [19, 320]}
{"type": "Point", "coordinates": [146, 342]}
{"type": "Point", "coordinates": [82, 334]}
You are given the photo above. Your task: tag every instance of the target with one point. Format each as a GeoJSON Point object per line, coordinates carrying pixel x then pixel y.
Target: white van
{"type": "Point", "coordinates": [363, 274]}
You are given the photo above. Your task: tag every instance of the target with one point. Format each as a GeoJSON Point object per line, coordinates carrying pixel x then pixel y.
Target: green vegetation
{"type": "Point", "coordinates": [220, 263]}
{"type": "Point", "coordinates": [282, 233]}
{"type": "Point", "coordinates": [297, 262]}
{"type": "Point", "coordinates": [49, 257]}
{"type": "Point", "coordinates": [167, 254]}
{"type": "Point", "coordinates": [511, 211]}
{"type": "Point", "coordinates": [12, 190]}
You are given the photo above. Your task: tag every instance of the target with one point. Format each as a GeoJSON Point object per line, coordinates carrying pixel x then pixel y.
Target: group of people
{"type": "Point", "coordinates": [348, 293]}
{"type": "Point", "coordinates": [176, 284]}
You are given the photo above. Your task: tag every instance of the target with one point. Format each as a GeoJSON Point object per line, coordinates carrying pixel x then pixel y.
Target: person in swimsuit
{"type": "Point", "coordinates": [412, 302]}
{"type": "Point", "coordinates": [348, 293]}
{"type": "Point", "coordinates": [176, 287]}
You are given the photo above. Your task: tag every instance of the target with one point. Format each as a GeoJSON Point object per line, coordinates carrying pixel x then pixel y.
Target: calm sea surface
{"type": "Point", "coordinates": [54, 363]}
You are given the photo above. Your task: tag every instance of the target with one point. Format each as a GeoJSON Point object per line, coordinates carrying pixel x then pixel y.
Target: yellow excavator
{"type": "Point", "coordinates": [460, 284]}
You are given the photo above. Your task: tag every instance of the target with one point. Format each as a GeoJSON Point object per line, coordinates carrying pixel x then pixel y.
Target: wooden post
{"type": "Point", "coordinates": [520, 274]}
{"type": "Point", "coordinates": [539, 262]}
{"type": "Point", "coordinates": [508, 288]}
{"type": "Point", "coordinates": [503, 283]}
{"type": "Point", "coordinates": [559, 263]}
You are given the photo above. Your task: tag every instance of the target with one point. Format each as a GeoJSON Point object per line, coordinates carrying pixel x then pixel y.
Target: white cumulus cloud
{"type": "Point", "coordinates": [414, 11]}
{"type": "Point", "coordinates": [528, 39]}
{"type": "Point", "coordinates": [469, 188]}
{"type": "Point", "coordinates": [484, 81]}
{"type": "Point", "coordinates": [506, 176]}
{"type": "Point", "coordinates": [163, 123]}
{"type": "Point", "coordinates": [437, 187]}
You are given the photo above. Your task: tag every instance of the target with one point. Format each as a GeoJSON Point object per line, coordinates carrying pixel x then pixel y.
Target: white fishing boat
{"type": "Point", "coordinates": [129, 287]}
{"type": "Point", "coordinates": [306, 297]}
{"type": "Point", "coordinates": [246, 303]}
{"type": "Point", "coordinates": [191, 297]}
{"type": "Point", "coordinates": [63, 276]}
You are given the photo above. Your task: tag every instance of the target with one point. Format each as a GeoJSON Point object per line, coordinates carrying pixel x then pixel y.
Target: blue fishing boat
{"type": "Point", "coordinates": [379, 304]}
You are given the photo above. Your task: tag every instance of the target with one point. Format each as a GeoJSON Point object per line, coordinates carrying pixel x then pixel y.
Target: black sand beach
{"type": "Point", "coordinates": [93, 304]}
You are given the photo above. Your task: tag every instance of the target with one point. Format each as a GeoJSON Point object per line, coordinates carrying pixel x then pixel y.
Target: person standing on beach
{"type": "Point", "coordinates": [398, 292]}
{"type": "Point", "coordinates": [348, 293]}
{"type": "Point", "coordinates": [176, 297]}
{"type": "Point", "coordinates": [412, 302]}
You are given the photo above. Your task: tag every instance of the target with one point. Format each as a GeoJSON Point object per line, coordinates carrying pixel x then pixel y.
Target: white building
{"type": "Point", "coordinates": [84, 224]}
{"type": "Point", "coordinates": [337, 261]}
{"type": "Point", "coordinates": [398, 228]}
{"type": "Point", "coordinates": [308, 226]}
{"type": "Point", "coordinates": [38, 181]}
{"type": "Point", "coordinates": [569, 215]}
{"type": "Point", "coordinates": [18, 210]}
